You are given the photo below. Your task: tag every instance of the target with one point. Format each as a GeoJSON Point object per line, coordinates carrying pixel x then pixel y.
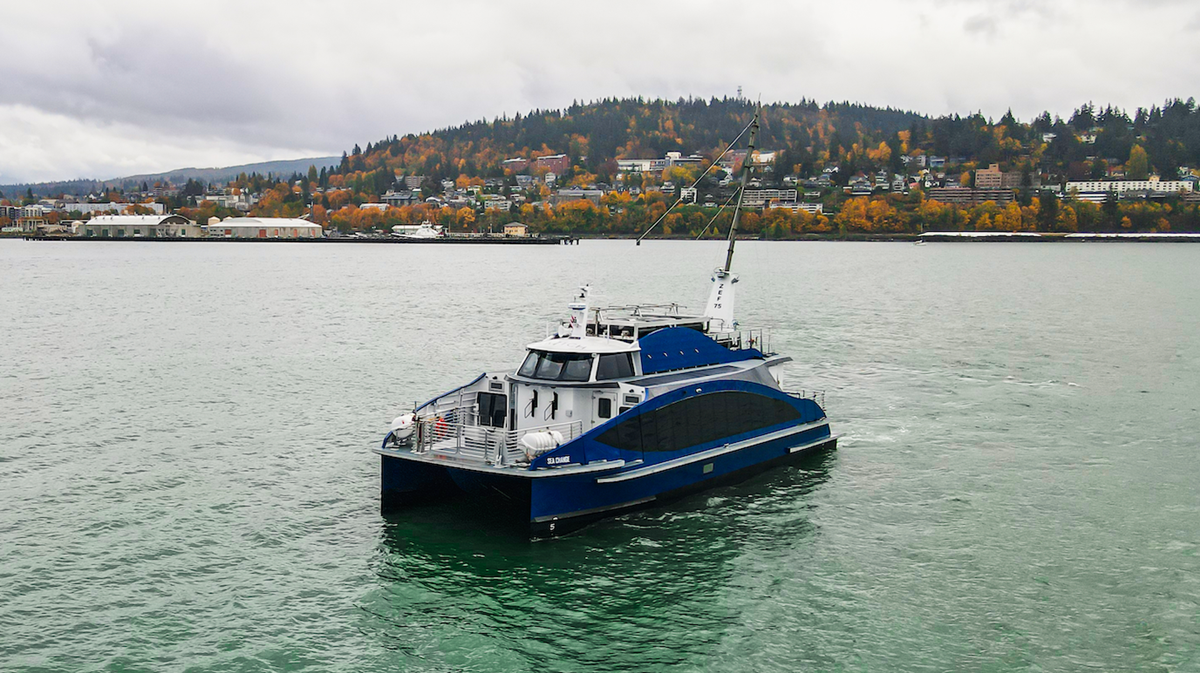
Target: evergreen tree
{"type": "Point", "coordinates": [1048, 212]}
{"type": "Point", "coordinates": [1111, 210]}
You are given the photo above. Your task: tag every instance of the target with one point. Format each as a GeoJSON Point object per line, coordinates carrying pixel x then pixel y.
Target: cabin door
{"type": "Point", "coordinates": [604, 407]}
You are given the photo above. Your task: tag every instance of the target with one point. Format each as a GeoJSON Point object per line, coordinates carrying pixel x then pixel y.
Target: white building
{"type": "Point", "coordinates": [757, 198]}
{"type": "Point", "coordinates": [243, 201]}
{"type": "Point", "coordinates": [639, 165]}
{"type": "Point", "coordinates": [810, 208]}
{"type": "Point", "coordinates": [496, 201]}
{"type": "Point", "coordinates": [112, 206]}
{"type": "Point", "coordinates": [1122, 186]}
{"type": "Point", "coordinates": [653, 165]}
{"type": "Point", "coordinates": [764, 157]}
{"type": "Point", "coordinates": [265, 227]}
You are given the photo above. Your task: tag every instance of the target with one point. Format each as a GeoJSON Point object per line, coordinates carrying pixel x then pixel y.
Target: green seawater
{"type": "Point", "coordinates": [186, 482]}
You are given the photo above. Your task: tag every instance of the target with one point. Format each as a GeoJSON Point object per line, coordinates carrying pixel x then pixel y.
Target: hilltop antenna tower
{"type": "Point", "coordinates": [739, 92]}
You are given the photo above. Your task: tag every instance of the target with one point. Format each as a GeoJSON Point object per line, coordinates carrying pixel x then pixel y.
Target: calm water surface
{"type": "Point", "coordinates": [186, 481]}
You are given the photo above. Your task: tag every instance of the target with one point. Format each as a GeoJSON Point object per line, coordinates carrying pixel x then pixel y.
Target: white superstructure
{"type": "Point", "coordinates": [424, 230]}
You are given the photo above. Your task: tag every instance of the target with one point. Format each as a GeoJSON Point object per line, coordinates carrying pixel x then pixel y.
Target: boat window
{"type": "Point", "coordinates": [492, 409]}
{"type": "Point", "coordinates": [699, 419]}
{"type": "Point", "coordinates": [529, 366]}
{"type": "Point", "coordinates": [604, 407]}
{"type": "Point", "coordinates": [614, 366]}
{"type": "Point", "coordinates": [557, 366]}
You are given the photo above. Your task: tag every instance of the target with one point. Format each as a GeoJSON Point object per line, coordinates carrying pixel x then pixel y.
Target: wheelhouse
{"type": "Point", "coordinates": [582, 360]}
{"type": "Point", "coordinates": [582, 380]}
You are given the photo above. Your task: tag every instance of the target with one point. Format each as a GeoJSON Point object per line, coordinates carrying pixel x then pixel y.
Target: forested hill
{"type": "Point", "coordinates": [179, 176]}
{"type": "Point", "coordinates": [807, 136]}
{"type": "Point", "coordinates": [870, 169]}
{"type": "Point", "coordinates": [596, 134]}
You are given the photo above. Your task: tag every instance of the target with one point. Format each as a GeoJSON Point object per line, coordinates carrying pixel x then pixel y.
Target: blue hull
{"type": "Point", "coordinates": [567, 503]}
{"type": "Point", "coordinates": [555, 505]}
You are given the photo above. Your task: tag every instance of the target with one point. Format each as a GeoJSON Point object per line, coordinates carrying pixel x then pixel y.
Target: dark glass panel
{"type": "Point", "coordinates": [699, 419]}
{"type": "Point", "coordinates": [529, 367]}
{"type": "Point", "coordinates": [557, 366]}
{"type": "Point", "coordinates": [578, 368]}
{"type": "Point", "coordinates": [492, 409]}
{"type": "Point", "coordinates": [614, 366]}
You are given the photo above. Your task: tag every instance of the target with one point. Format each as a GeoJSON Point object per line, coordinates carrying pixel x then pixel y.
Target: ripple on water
{"type": "Point", "coordinates": [186, 483]}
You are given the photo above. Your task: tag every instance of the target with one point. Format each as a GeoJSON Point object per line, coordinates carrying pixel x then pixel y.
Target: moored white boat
{"type": "Point", "coordinates": [425, 230]}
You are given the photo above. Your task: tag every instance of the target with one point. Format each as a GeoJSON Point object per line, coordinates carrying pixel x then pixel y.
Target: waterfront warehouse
{"type": "Point", "coordinates": [264, 227]}
{"type": "Point", "coordinates": [139, 226]}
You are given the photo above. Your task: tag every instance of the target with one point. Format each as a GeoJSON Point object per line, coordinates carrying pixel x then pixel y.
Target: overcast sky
{"type": "Point", "coordinates": [105, 89]}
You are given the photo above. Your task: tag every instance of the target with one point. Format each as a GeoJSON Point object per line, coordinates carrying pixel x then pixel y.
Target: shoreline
{"type": "Point", "coordinates": [572, 239]}
{"type": "Point", "coordinates": [544, 240]}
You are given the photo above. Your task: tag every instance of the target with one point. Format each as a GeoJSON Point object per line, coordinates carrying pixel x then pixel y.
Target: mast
{"type": "Point", "coordinates": [719, 309]}
{"type": "Point", "coordinates": [737, 211]}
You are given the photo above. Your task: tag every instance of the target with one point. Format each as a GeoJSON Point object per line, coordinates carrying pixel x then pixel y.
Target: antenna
{"type": "Point", "coordinates": [753, 122]}
{"type": "Point", "coordinates": [739, 92]}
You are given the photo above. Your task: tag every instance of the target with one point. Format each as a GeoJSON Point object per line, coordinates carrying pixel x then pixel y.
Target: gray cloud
{"type": "Point", "coordinates": [126, 87]}
{"type": "Point", "coordinates": [981, 24]}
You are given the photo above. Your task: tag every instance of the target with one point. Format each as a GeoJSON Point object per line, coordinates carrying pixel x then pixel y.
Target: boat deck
{"type": "Point", "coordinates": [466, 461]}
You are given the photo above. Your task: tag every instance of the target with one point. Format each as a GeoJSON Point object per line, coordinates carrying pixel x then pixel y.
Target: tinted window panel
{"type": "Point", "coordinates": [549, 367]}
{"type": "Point", "coordinates": [529, 367]}
{"type": "Point", "coordinates": [604, 407]}
{"type": "Point", "coordinates": [557, 366]}
{"type": "Point", "coordinates": [578, 368]}
{"type": "Point", "coordinates": [699, 419]}
{"type": "Point", "coordinates": [492, 409]}
{"type": "Point", "coordinates": [627, 435]}
{"type": "Point", "coordinates": [614, 366]}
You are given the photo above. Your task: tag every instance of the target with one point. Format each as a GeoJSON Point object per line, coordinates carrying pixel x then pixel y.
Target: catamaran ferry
{"type": "Point", "coordinates": [621, 408]}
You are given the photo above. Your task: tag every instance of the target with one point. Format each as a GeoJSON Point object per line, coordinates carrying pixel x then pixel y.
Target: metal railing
{"type": "Point", "coordinates": [458, 432]}
{"type": "Point", "coordinates": [747, 338]}
{"type": "Point", "coordinates": [817, 396]}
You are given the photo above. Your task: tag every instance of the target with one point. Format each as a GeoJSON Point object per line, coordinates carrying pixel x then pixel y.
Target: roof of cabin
{"type": "Point", "coordinates": [137, 220]}
{"type": "Point", "coordinates": [587, 344]}
{"type": "Point", "coordinates": [286, 222]}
